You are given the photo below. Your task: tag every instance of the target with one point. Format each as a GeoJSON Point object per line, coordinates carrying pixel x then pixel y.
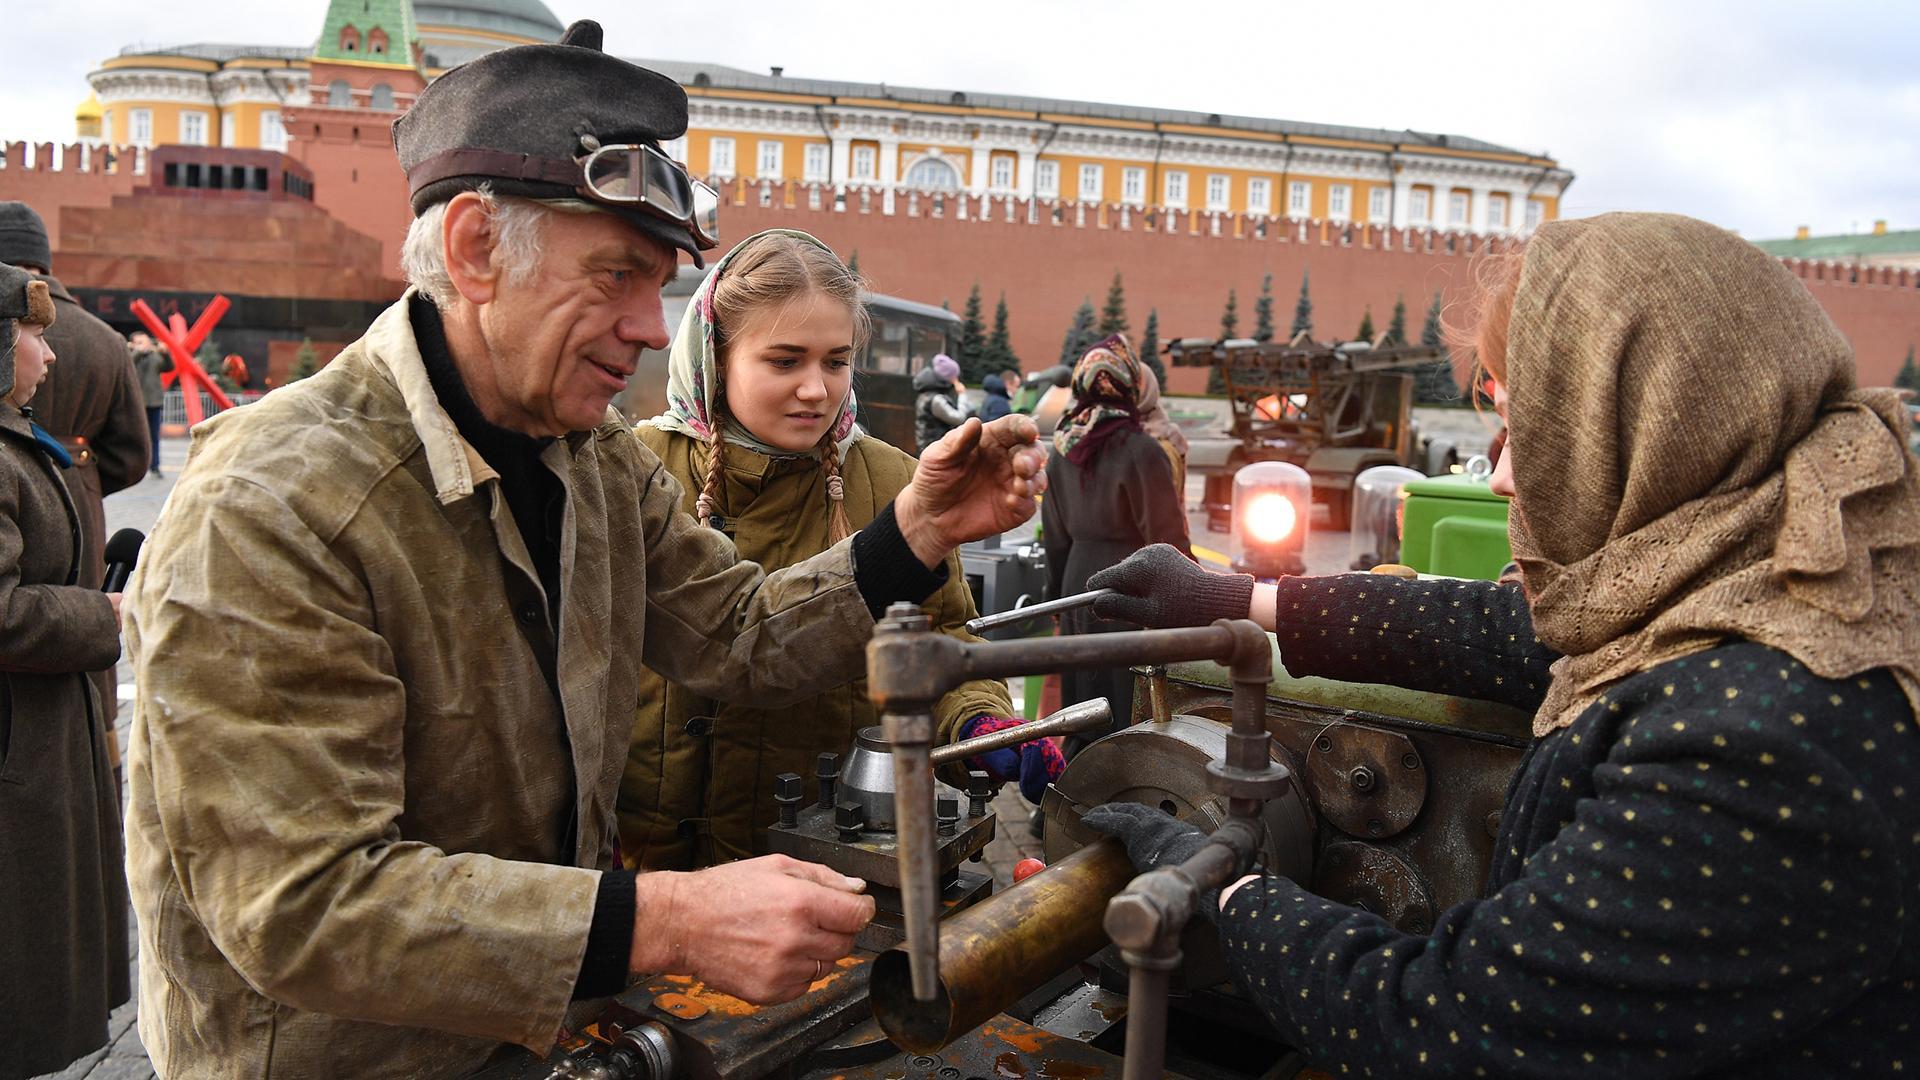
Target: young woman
{"type": "Point", "coordinates": [1110, 491]}
{"type": "Point", "coordinates": [1709, 864]}
{"type": "Point", "coordinates": [63, 889]}
{"type": "Point", "coordinates": [760, 432]}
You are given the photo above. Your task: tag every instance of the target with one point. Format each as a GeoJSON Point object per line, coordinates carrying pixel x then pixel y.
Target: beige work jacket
{"type": "Point", "coordinates": [365, 834]}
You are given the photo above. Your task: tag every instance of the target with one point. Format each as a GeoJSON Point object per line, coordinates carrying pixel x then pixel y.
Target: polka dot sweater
{"type": "Point", "coordinates": [1708, 874]}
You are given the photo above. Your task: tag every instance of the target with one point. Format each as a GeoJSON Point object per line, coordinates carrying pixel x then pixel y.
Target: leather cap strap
{"type": "Point", "coordinates": [498, 164]}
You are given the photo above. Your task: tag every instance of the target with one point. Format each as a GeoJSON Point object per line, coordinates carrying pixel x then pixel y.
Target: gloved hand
{"type": "Point", "coordinates": [1034, 764]}
{"type": "Point", "coordinates": [1157, 587]}
{"type": "Point", "coordinates": [1153, 838]}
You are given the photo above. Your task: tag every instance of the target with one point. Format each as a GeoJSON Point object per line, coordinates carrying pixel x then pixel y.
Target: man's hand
{"type": "Point", "coordinates": [762, 930]}
{"type": "Point", "coordinates": [978, 481]}
{"type": "Point", "coordinates": [114, 599]}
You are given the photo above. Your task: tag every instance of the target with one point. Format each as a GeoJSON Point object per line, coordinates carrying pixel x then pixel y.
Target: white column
{"type": "Point", "coordinates": [1402, 196]}
{"type": "Point", "coordinates": [889, 161]}
{"type": "Point", "coordinates": [1477, 218]}
{"type": "Point", "coordinates": [841, 158]}
{"type": "Point", "coordinates": [1023, 169]}
{"type": "Point", "coordinates": [982, 157]}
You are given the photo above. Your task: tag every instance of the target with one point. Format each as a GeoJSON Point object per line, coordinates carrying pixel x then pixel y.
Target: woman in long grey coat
{"type": "Point", "coordinates": [1110, 492]}
{"type": "Point", "coordinates": [63, 890]}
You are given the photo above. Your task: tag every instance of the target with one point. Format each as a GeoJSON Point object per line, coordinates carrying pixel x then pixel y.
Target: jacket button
{"type": "Point", "coordinates": [529, 614]}
{"type": "Point", "coordinates": [700, 726]}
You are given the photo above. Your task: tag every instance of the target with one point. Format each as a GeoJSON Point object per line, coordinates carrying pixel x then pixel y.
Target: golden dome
{"type": "Point", "coordinates": [89, 109]}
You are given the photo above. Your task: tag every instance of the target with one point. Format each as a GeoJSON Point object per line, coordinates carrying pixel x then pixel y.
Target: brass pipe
{"type": "Point", "coordinates": [996, 952]}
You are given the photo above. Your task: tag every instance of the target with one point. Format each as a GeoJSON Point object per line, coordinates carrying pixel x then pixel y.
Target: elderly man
{"type": "Point", "coordinates": [389, 630]}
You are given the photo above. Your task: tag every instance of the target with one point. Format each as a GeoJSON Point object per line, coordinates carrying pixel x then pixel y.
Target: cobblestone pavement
{"type": "Point", "coordinates": [124, 1058]}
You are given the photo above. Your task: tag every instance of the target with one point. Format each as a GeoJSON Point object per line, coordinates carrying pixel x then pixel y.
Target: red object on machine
{"type": "Point", "coordinates": [181, 343]}
{"type": "Point", "coordinates": [1026, 868]}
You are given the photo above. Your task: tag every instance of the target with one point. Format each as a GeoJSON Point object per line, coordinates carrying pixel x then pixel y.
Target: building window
{"type": "Point", "coordinates": [1377, 204]}
{"type": "Point", "coordinates": [193, 128]}
{"type": "Point", "coordinates": [866, 162]}
{"type": "Point", "coordinates": [1420, 206]}
{"type": "Point", "coordinates": [1497, 212]}
{"type": "Point", "coordinates": [720, 157]}
{"type": "Point", "coordinates": [1219, 192]}
{"type": "Point", "coordinates": [1093, 182]}
{"type": "Point", "coordinates": [934, 174]}
{"type": "Point", "coordinates": [227, 124]}
{"type": "Point", "coordinates": [382, 98]}
{"type": "Point", "coordinates": [349, 39]}
{"type": "Point", "coordinates": [1458, 203]}
{"type": "Point", "coordinates": [1002, 173]}
{"type": "Point", "coordinates": [140, 127]}
{"type": "Point", "coordinates": [1299, 198]}
{"type": "Point", "coordinates": [339, 94]}
{"type": "Point", "coordinates": [1259, 195]}
{"type": "Point", "coordinates": [814, 166]}
{"type": "Point", "coordinates": [1338, 196]}
{"type": "Point", "coordinates": [1133, 186]}
{"type": "Point", "coordinates": [675, 149]}
{"type": "Point", "coordinates": [1046, 179]}
{"type": "Point", "coordinates": [772, 151]}
{"type": "Point", "coordinates": [1176, 193]}
{"type": "Point", "coordinates": [377, 42]}
{"type": "Point", "coordinates": [1535, 211]}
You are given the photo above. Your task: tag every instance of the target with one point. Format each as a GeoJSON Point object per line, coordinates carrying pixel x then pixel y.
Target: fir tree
{"type": "Point", "coordinates": [1230, 318]}
{"type": "Point", "coordinates": [1150, 347]}
{"type": "Point", "coordinates": [999, 345]}
{"type": "Point", "coordinates": [1113, 315]}
{"type": "Point", "coordinates": [1080, 336]}
{"type": "Point", "coordinates": [1302, 311]}
{"type": "Point", "coordinates": [1365, 333]}
{"type": "Point", "coordinates": [305, 362]}
{"type": "Point", "coordinates": [1397, 329]}
{"type": "Point", "coordinates": [1909, 377]}
{"type": "Point", "coordinates": [1434, 383]}
{"type": "Point", "coordinates": [973, 341]}
{"type": "Point", "coordinates": [1263, 311]}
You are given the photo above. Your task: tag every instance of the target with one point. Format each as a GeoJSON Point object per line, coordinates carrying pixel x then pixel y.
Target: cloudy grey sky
{"type": "Point", "coordinates": [1760, 115]}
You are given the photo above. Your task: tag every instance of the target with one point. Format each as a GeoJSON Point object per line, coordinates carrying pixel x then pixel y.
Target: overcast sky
{"type": "Point", "coordinates": [1760, 115]}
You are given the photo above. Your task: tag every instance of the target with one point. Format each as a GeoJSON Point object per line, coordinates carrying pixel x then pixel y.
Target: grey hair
{"type": "Point", "coordinates": [517, 226]}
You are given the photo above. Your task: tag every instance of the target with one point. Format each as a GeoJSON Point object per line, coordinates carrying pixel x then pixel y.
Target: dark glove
{"type": "Point", "coordinates": [1153, 839]}
{"type": "Point", "coordinates": [1157, 587]}
{"type": "Point", "coordinates": [1034, 764]}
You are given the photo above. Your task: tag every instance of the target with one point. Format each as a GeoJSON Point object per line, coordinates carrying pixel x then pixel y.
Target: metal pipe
{"type": "Point", "coordinates": [1146, 1048]}
{"type": "Point", "coordinates": [1157, 693]}
{"type": "Point", "coordinates": [1081, 652]}
{"type": "Point", "coordinates": [911, 736]}
{"type": "Point", "coordinates": [997, 951]}
{"type": "Point", "coordinates": [1019, 615]}
{"type": "Point", "coordinates": [1082, 717]}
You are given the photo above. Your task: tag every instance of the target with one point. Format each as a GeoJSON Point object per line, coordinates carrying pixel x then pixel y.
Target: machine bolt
{"type": "Point", "coordinates": [1410, 761]}
{"type": "Point", "coordinates": [1493, 824]}
{"type": "Point", "coordinates": [979, 793]}
{"type": "Point", "coordinates": [1133, 921]}
{"type": "Point", "coordinates": [1323, 744]}
{"type": "Point", "coordinates": [827, 771]}
{"type": "Point", "coordinates": [849, 818]}
{"type": "Point", "coordinates": [1376, 828]}
{"type": "Point", "coordinates": [1361, 778]}
{"type": "Point", "coordinates": [789, 791]}
{"type": "Point", "coordinates": [946, 812]}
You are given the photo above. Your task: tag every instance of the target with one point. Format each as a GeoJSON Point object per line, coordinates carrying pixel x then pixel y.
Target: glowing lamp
{"type": "Point", "coordinates": [1272, 511]}
{"type": "Point", "coordinates": [1379, 510]}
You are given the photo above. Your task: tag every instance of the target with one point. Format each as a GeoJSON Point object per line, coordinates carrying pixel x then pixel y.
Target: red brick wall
{"type": "Point", "coordinates": [83, 179]}
{"type": "Point", "coordinates": [1182, 268]}
{"type": "Point", "coordinates": [356, 176]}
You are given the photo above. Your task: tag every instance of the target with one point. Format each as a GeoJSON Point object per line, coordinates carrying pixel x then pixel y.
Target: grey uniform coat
{"type": "Point", "coordinates": [63, 889]}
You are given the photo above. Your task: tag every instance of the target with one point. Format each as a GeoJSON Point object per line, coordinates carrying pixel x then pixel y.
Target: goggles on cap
{"type": "Point", "coordinates": [633, 174]}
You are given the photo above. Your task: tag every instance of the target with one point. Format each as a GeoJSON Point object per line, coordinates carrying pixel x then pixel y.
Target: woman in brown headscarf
{"type": "Point", "coordinates": [1710, 853]}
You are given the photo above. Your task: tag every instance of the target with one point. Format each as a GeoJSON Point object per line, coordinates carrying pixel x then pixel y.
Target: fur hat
{"type": "Point", "coordinates": [24, 298]}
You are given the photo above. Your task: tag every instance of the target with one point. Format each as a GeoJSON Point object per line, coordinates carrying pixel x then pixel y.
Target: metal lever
{"type": "Point", "coordinates": [1034, 611]}
{"type": "Point", "coordinates": [1082, 717]}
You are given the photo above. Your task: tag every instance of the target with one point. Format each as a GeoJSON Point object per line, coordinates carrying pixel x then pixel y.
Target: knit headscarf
{"type": "Point", "coordinates": [1153, 418]}
{"type": "Point", "coordinates": [1693, 463]}
{"type": "Point", "coordinates": [1105, 403]}
{"type": "Point", "coordinates": [693, 374]}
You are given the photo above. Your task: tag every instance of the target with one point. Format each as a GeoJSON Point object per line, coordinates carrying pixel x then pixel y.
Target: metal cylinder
{"type": "Point", "coordinates": [1034, 611]}
{"type": "Point", "coordinates": [1085, 716]}
{"type": "Point", "coordinates": [996, 952]}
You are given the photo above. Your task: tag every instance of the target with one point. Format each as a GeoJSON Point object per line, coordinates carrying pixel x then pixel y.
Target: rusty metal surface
{"type": "Point", "coordinates": [1440, 710]}
{"type": "Point", "coordinates": [1001, 1049]}
{"type": "Point", "coordinates": [1367, 782]}
{"type": "Point", "coordinates": [871, 857]}
{"type": "Point", "coordinates": [1375, 879]}
{"type": "Point", "coordinates": [889, 928]}
{"type": "Point", "coordinates": [719, 1037]}
{"type": "Point", "coordinates": [1084, 1013]}
{"type": "Point", "coordinates": [995, 952]}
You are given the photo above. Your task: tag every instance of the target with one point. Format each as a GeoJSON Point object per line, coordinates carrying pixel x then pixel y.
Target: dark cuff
{"type": "Point", "coordinates": [603, 971]}
{"type": "Point", "coordinates": [1220, 596]}
{"type": "Point", "coordinates": [887, 570]}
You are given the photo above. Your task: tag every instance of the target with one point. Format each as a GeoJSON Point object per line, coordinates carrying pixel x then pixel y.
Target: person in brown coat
{"type": "Point", "coordinates": [91, 403]}
{"type": "Point", "coordinates": [63, 890]}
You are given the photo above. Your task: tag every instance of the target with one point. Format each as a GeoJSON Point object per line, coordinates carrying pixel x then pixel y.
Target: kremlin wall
{"type": "Point", "coordinates": [267, 173]}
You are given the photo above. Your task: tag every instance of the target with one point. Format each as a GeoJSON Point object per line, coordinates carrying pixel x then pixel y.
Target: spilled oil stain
{"type": "Point", "coordinates": [1010, 1066]}
{"type": "Point", "coordinates": [1071, 1070]}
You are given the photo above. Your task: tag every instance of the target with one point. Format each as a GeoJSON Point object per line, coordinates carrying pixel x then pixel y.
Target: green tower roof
{"type": "Point", "coordinates": [394, 18]}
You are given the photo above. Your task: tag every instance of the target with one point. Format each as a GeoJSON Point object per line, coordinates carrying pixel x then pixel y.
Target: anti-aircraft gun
{"type": "Point", "coordinates": [1335, 410]}
{"type": "Point", "coordinates": [1384, 798]}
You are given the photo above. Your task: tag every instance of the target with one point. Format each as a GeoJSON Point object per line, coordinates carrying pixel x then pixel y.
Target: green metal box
{"type": "Point", "coordinates": [1456, 527]}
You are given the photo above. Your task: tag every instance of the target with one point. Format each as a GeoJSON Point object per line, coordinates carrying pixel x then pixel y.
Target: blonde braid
{"type": "Point", "coordinates": [838, 528]}
{"type": "Point", "coordinates": [707, 506]}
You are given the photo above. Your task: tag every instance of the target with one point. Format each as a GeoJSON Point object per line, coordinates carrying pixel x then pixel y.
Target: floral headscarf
{"type": "Point", "coordinates": [1154, 418]}
{"type": "Point", "coordinates": [693, 372]}
{"type": "Point", "coordinates": [1106, 400]}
